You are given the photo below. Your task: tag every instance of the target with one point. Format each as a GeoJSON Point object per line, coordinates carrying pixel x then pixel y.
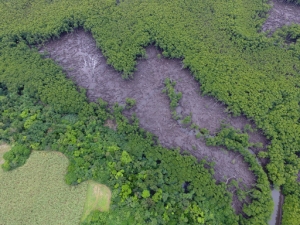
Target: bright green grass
{"type": "Point", "coordinates": [98, 198]}
{"type": "Point", "coordinates": [36, 193]}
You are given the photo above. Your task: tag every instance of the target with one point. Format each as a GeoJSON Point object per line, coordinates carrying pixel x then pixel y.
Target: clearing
{"type": "Point", "coordinates": [84, 63]}
{"type": "Point", "coordinates": [98, 198]}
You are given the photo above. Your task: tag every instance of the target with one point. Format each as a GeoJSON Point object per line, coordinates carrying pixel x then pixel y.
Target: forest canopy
{"type": "Point", "coordinates": [219, 41]}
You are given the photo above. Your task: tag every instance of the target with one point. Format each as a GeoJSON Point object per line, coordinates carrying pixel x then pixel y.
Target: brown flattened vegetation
{"type": "Point", "coordinates": [282, 13]}
{"type": "Point", "coordinates": [84, 63]}
{"type": "Point", "coordinates": [101, 193]}
{"type": "Point", "coordinates": [98, 198]}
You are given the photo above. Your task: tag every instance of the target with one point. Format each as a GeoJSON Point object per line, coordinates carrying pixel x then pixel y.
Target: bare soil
{"type": "Point", "coordinates": [84, 63]}
{"type": "Point", "coordinates": [282, 13]}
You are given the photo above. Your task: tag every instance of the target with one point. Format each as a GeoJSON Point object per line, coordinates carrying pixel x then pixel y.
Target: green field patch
{"type": "Point", "coordinates": [36, 193]}
{"type": "Point", "coordinates": [98, 198]}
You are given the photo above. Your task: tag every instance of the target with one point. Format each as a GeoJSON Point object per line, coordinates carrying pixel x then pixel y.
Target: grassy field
{"type": "Point", "coordinates": [98, 198]}
{"type": "Point", "coordinates": [36, 193]}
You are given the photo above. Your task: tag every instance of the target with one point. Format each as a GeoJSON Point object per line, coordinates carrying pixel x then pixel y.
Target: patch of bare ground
{"type": "Point", "coordinates": [84, 63]}
{"type": "Point", "coordinates": [281, 13]}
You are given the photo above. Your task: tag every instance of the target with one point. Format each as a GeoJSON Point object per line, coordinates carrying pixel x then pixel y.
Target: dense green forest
{"type": "Point", "coordinates": [219, 41]}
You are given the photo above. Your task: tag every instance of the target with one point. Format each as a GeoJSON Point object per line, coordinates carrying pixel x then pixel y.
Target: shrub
{"type": "Point", "coordinates": [16, 157]}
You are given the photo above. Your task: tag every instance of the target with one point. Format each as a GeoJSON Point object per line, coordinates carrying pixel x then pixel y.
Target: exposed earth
{"type": "Point", "coordinates": [282, 13]}
{"type": "Point", "coordinates": [84, 63]}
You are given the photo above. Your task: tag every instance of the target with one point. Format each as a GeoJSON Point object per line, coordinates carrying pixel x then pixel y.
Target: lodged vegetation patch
{"type": "Point", "coordinates": [254, 75]}
{"type": "Point", "coordinates": [97, 199]}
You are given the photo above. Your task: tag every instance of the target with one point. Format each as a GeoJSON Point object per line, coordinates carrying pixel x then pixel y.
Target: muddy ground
{"type": "Point", "coordinates": [282, 13]}
{"type": "Point", "coordinates": [84, 63]}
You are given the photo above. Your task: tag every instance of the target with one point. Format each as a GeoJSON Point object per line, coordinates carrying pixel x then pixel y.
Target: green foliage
{"type": "Point", "coordinates": [51, 86]}
{"type": "Point", "coordinates": [287, 35]}
{"type": "Point", "coordinates": [248, 128]}
{"type": "Point", "coordinates": [173, 96]}
{"type": "Point", "coordinates": [218, 41]}
{"type": "Point", "coordinates": [146, 194]}
{"type": "Point", "coordinates": [16, 157]}
{"type": "Point", "coordinates": [204, 131]}
{"type": "Point", "coordinates": [187, 120]}
{"type": "Point", "coordinates": [194, 126]}
{"type": "Point", "coordinates": [125, 192]}
{"type": "Point", "coordinates": [262, 205]}
{"type": "Point", "coordinates": [157, 196]}
{"type": "Point", "coordinates": [232, 139]}
{"type": "Point", "coordinates": [125, 158]}
{"type": "Point", "coordinates": [196, 214]}
{"type": "Point", "coordinates": [130, 102]}
{"type": "Point", "coordinates": [291, 209]}
{"type": "Point", "coordinates": [96, 218]}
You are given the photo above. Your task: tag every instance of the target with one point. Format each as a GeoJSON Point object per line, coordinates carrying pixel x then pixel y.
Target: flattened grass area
{"type": "Point", "coordinates": [36, 193]}
{"type": "Point", "coordinates": [98, 198]}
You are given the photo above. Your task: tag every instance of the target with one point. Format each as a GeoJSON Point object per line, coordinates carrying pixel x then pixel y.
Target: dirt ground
{"type": "Point", "coordinates": [282, 13]}
{"type": "Point", "coordinates": [84, 63]}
